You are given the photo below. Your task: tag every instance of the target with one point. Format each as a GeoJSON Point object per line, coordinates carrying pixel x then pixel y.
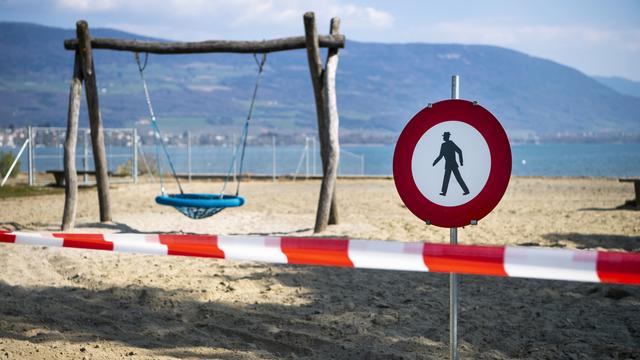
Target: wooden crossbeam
{"type": "Point", "coordinates": [211, 46]}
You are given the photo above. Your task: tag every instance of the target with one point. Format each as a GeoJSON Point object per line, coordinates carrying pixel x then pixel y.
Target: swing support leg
{"type": "Point", "coordinates": [71, 177]}
{"type": "Point", "coordinates": [95, 120]}
{"type": "Point", "coordinates": [323, 81]}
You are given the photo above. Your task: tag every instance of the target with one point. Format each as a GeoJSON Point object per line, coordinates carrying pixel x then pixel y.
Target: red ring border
{"type": "Point", "coordinates": [495, 136]}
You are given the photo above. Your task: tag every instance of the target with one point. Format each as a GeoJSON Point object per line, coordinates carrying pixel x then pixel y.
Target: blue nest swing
{"type": "Point", "coordinates": [199, 206]}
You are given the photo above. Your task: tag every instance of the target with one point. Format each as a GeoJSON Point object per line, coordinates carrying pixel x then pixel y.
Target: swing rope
{"type": "Point", "coordinates": [158, 138]}
{"type": "Point", "coordinates": [245, 129]}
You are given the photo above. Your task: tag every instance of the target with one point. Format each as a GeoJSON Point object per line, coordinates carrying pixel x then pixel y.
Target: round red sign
{"type": "Point", "coordinates": [452, 163]}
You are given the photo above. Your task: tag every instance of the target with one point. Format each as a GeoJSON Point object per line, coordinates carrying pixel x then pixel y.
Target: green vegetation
{"type": "Point", "coordinates": [6, 159]}
{"type": "Point", "coordinates": [9, 191]}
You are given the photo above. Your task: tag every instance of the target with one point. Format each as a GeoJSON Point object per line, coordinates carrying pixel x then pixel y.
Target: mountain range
{"type": "Point", "coordinates": [380, 87]}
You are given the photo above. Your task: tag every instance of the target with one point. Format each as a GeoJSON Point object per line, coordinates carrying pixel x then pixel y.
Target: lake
{"type": "Point", "coordinates": [599, 160]}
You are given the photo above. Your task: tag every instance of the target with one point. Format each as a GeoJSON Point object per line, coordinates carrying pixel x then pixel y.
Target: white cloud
{"type": "Point", "coordinates": [198, 16]}
{"type": "Point", "coordinates": [588, 41]}
{"type": "Point", "coordinates": [592, 49]}
{"type": "Point", "coordinates": [514, 35]}
{"type": "Point", "coordinates": [362, 16]}
{"type": "Point", "coordinates": [88, 5]}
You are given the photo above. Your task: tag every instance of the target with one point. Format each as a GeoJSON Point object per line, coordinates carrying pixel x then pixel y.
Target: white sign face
{"type": "Point", "coordinates": [451, 163]}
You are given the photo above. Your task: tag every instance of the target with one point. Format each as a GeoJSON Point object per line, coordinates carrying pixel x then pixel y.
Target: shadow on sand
{"type": "Point", "coordinates": [628, 205]}
{"type": "Point", "coordinates": [344, 314]}
{"type": "Point", "coordinates": [591, 241]}
{"type": "Point", "coordinates": [118, 227]}
{"type": "Point", "coordinates": [163, 320]}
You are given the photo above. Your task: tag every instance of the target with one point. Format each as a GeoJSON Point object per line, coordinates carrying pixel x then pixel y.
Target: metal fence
{"type": "Point", "coordinates": [126, 157]}
{"type": "Point", "coordinates": [46, 152]}
{"type": "Point", "coordinates": [297, 160]}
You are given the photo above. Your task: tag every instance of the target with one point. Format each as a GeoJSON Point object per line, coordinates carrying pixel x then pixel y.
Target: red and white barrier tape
{"type": "Point", "coordinates": [513, 261]}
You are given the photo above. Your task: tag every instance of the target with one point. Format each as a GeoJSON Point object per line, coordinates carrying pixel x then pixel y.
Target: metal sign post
{"type": "Point", "coordinates": [453, 277]}
{"type": "Point", "coordinates": [463, 144]}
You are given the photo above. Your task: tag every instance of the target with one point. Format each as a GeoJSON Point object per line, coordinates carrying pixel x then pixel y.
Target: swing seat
{"type": "Point", "coordinates": [200, 206]}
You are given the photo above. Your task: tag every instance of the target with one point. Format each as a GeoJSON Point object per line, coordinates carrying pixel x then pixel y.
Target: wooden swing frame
{"type": "Point", "coordinates": [323, 79]}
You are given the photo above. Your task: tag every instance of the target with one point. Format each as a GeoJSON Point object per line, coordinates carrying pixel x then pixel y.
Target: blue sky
{"type": "Point", "coordinates": [596, 37]}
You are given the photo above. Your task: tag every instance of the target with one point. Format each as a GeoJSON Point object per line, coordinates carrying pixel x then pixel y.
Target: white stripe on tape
{"type": "Point", "coordinates": [136, 243]}
{"type": "Point", "coordinates": [387, 255]}
{"type": "Point", "coordinates": [37, 239]}
{"type": "Point", "coordinates": [125, 237]}
{"type": "Point", "coordinates": [553, 264]}
{"type": "Point", "coordinates": [252, 248]}
{"type": "Point", "coordinates": [139, 247]}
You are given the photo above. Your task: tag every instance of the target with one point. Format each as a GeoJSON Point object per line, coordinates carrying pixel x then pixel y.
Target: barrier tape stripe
{"type": "Point", "coordinates": [510, 261]}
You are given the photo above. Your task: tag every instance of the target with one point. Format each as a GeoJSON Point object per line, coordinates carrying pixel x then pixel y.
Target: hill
{"type": "Point", "coordinates": [380, 87]}
{"type": "Point", "coordinates": [621, 85]}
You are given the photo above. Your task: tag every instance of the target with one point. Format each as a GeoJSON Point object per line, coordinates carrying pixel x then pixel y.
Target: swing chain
{"type": "Point", "coordinates": [245, 129]}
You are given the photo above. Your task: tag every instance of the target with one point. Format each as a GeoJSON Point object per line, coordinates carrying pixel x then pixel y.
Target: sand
{"type": "Point", "coordinates": [75, 304]}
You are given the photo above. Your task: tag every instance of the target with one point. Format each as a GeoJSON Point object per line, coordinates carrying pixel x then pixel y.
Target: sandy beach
{"type": "Point", "coordinates": [78, 304]}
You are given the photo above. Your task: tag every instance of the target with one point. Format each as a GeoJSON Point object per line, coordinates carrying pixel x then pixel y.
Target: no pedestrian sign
{"type": "Point", "coordinates": [452, 163]}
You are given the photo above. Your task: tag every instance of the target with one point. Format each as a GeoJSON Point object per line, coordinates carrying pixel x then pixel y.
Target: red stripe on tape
{"type": "Point", "coordinates": [7, 237]}
{"type": "Point", "coordinates": [315, 251]}
{"type": "Point", "coordinates": [466, 259]}
{"type": "Point", "coordinates": [85, 241]}
{"type": "Point", "coordinates": [617, 267]}
{"type": "Point", "coordinates": [192, 245]}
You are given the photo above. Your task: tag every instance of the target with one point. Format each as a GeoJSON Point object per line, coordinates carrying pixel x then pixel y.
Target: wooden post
{"type": "Point", "coordinates": [95, 121]}
{"type": "Point", "coordinates": [331, 112]}
{"type": "Point", "coordinates": [324, 88]}
{"type": "Point", "coordinates": [70, 175]}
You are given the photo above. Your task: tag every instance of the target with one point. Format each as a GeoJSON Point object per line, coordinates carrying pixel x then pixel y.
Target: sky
{"type": "Point", "coordinates": [597, 37]}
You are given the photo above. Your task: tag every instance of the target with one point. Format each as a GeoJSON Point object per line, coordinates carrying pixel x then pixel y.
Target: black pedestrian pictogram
{"type": "Point", "coordinates": [448, 150]}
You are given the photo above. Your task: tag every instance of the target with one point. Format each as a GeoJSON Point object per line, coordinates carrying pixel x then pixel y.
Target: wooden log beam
{"type": "Point", "coordinates": [71, 177]}
{"type": "Point", "coordinates": [95, 120]}
{"type": "Point", "coordinates": [211, 46]}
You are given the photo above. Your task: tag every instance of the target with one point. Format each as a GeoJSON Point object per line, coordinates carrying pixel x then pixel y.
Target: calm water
{"type": "Point", "coordinates": [602, 160]}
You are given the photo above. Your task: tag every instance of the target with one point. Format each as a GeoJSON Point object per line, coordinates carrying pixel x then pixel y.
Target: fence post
{"type": "Point", "coordinates": [85, 154]}
{"type": "Point", "coordinates": [313, 154]}
{"type": "Point", "coordinates": [134, 161]}
{"type": "Point", "coordinates": [31, 165]}
{"type": "Point", "coordinates": [61, 156]}
{"type": "Point", "coordinates": [189, 155]}
{"type": "Point", "coordinates": [306, 157]}
{"type": "Point", "coordinates": [273, 158]}
{"type": "Point", "coordinates": [235, 163]}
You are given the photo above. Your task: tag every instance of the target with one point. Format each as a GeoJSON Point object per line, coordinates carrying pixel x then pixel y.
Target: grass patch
{"type": "Point", "coordinates": [9, 191]}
